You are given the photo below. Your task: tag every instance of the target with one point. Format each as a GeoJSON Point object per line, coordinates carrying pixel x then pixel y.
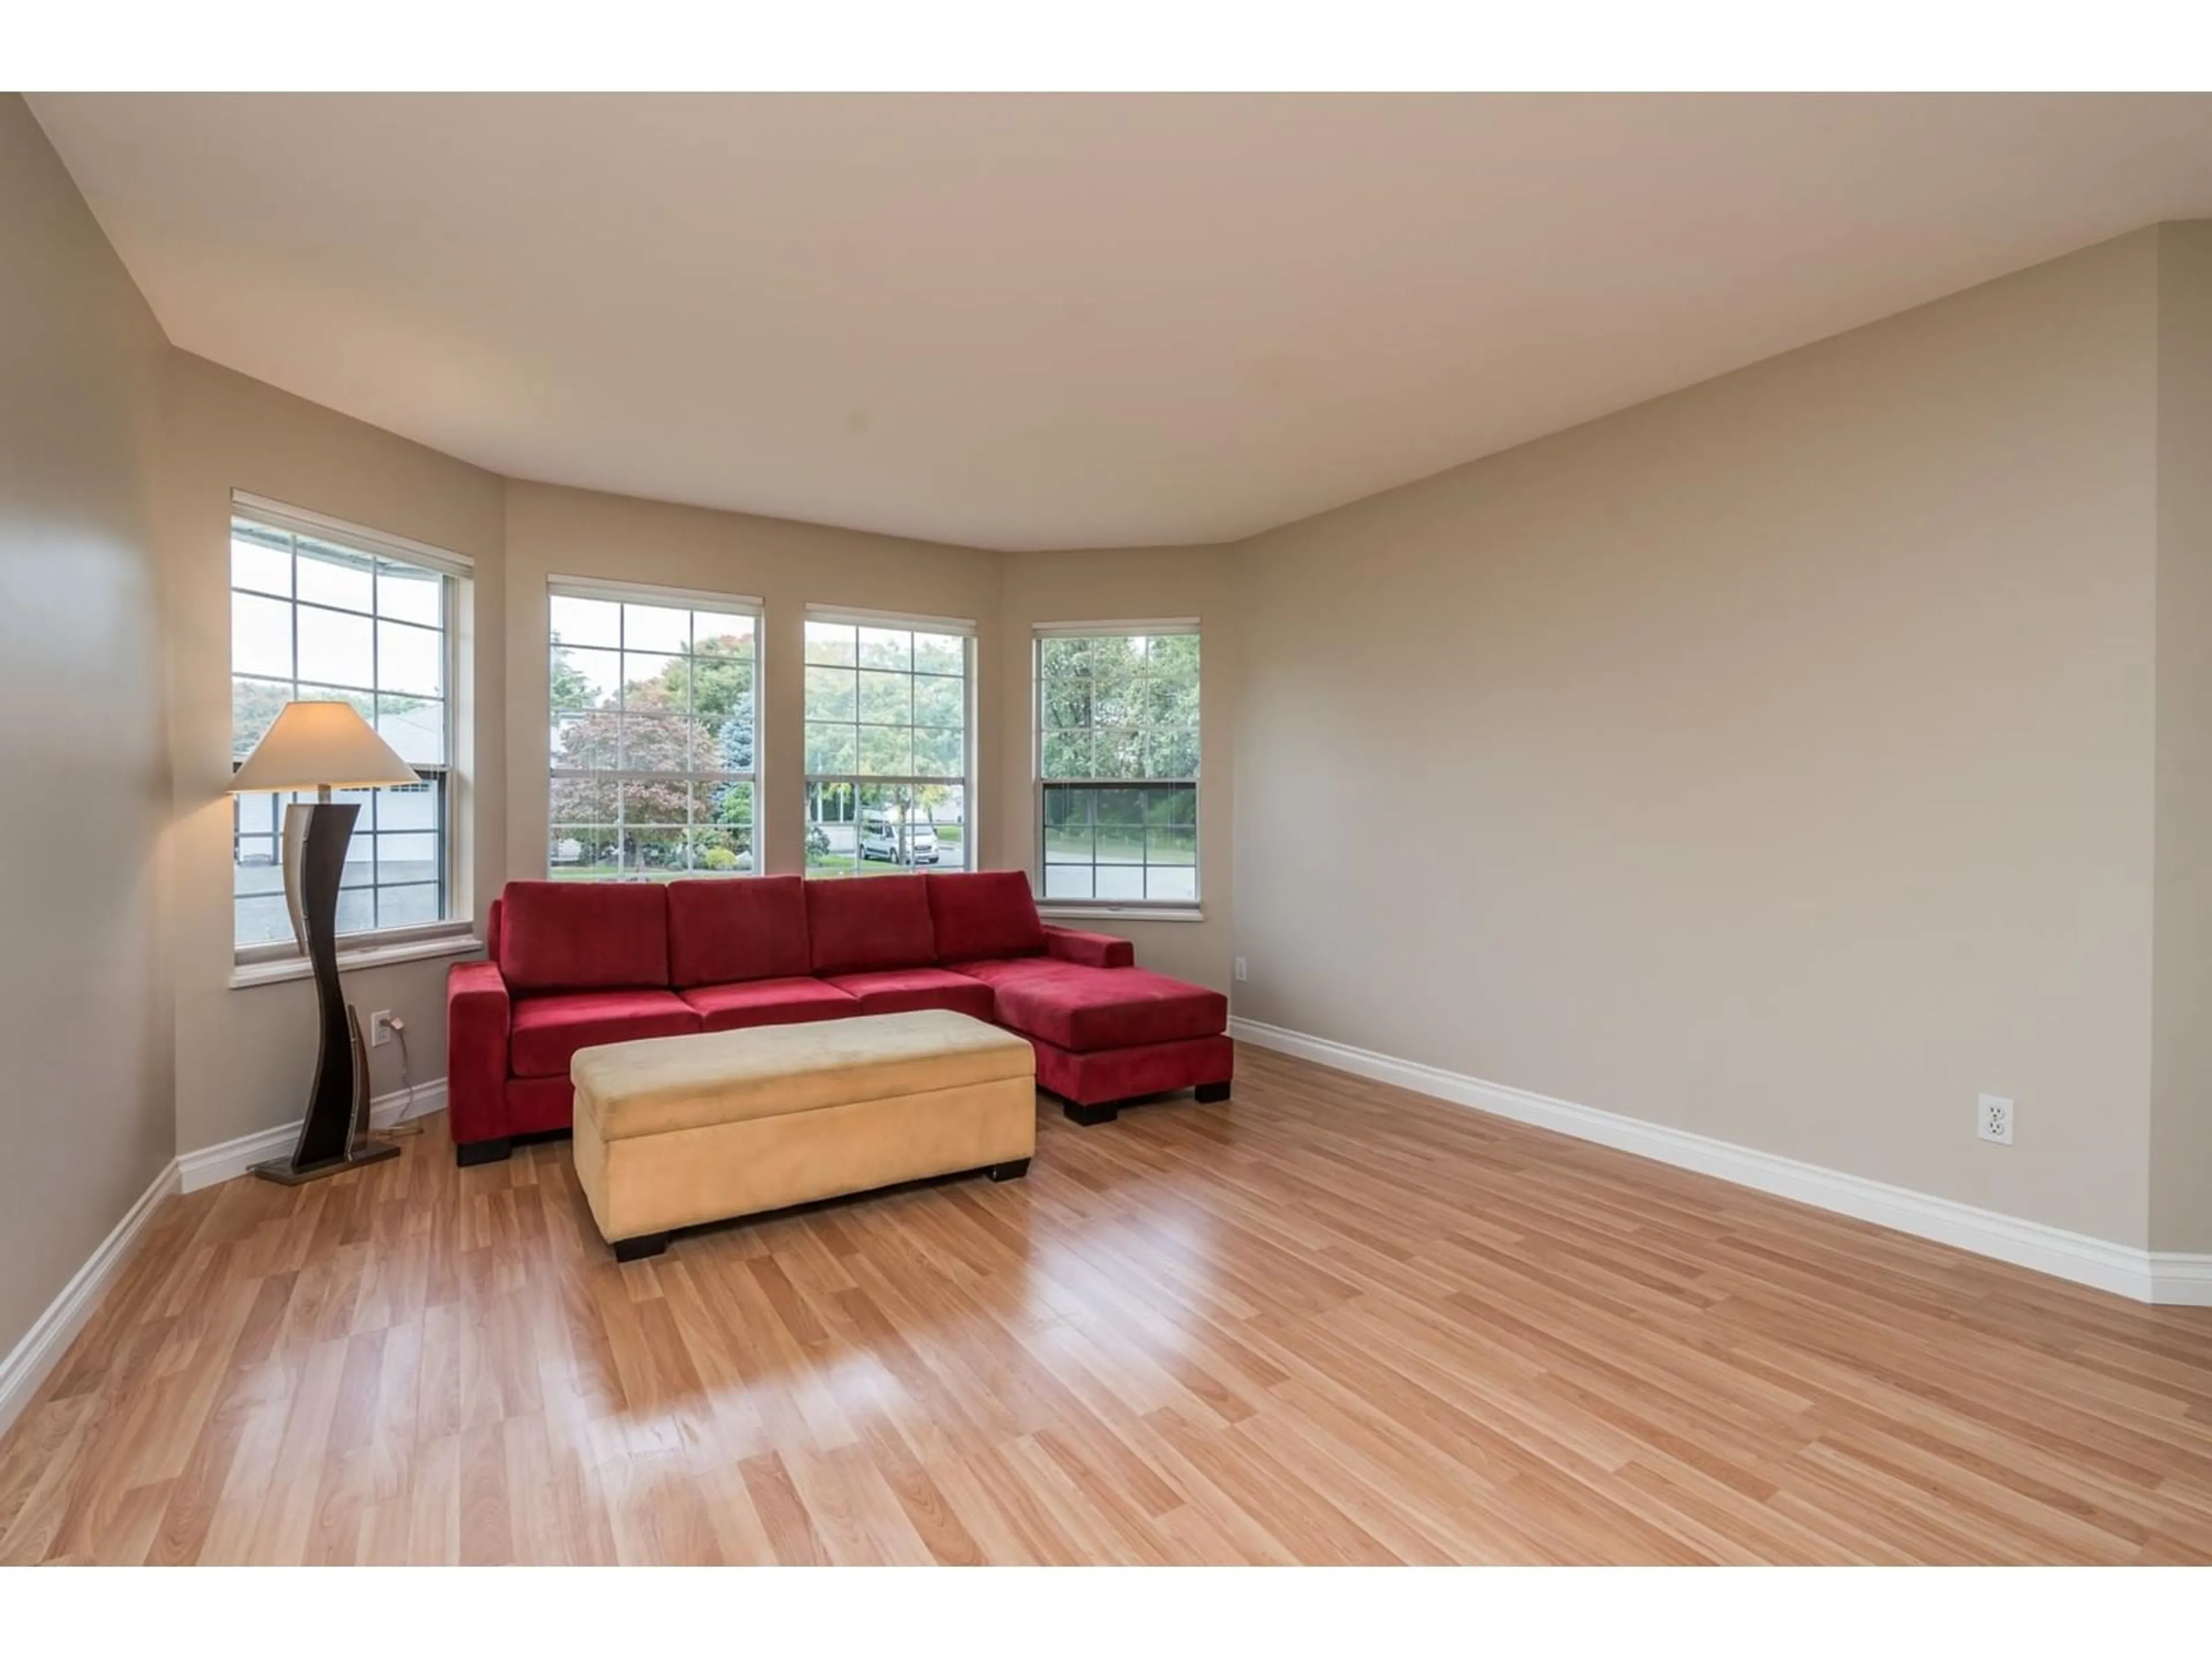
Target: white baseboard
{"type": "Point", "coordinates": [2143, 1275]}
{"type": "Point", "coordinates": [2180, 1281]}
{"type": "Point", "coordinates": [50, 1335]}
{"type": "Point", "coordinates": [212, 1165]}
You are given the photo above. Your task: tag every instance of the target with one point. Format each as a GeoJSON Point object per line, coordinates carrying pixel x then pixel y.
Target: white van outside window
{"type": "Point", "coordinates": [882, 835]}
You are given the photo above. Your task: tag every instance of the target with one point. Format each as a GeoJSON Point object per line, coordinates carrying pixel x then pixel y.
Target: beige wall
{"type": "Point", "coordinates": [554, 531]}
{"type": "Point", "coordinates": [1147, 584]}
{"type": "Point", "coordinates": [85, 1124]}
{"type": "Point", "coordinates": [2181, 1057]}
{"type": "Point", "coordinates": [1773, 760]}
{"type": "Point", "coordinates": [244, 1057]}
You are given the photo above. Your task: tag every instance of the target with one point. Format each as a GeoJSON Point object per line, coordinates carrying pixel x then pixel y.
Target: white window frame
{"type": "Point", "coordinates": [451, 933]}
{"type": "Point", "coordinates": [970, 813]}
{"type": "Point", "coordinates": [688, 598]}
{"type": "Point", "coordinates": [1177, 909]}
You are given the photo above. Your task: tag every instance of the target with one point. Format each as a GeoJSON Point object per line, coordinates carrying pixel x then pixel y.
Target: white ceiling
{"type": "Point", "coordinates": [1043, 322]}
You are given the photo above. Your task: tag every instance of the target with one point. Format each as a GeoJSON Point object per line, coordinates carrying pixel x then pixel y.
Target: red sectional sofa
{"type": "Point", "coordinates": [577, 964]}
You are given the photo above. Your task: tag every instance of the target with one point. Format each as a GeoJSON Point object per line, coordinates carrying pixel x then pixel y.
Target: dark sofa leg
{"type": "Point", "coordinates": [1013, 1171]}
{"type": "Point", "coordinates": [636, 1249]}
{"type": "Point", "coordinates": [483, 1151]}
{"type": "Point", "coordinates": [1211, 1093]}
{"type": "Point", "coordinates": [1091, 1117]}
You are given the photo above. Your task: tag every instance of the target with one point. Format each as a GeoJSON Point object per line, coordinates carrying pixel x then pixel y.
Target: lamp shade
{"type": "Point", "coordinates": [314, 745]}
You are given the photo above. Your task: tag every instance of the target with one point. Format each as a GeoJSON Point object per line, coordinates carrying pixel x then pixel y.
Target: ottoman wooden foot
{"type": "Point", "coordinates": [1211, 1094]}
{"type": "Point", "coordinates": [1091, 1117]}
{"type": "Point", "coordinates": [636, 1249]}
{"type": "Point", "coordinates": [1013, 1171]}
{"type": "Point", "coordinates": [470, 1153]}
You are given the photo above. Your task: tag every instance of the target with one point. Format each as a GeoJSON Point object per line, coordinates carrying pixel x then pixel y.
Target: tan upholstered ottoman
{"type": "Point", "coordinates": [671, 1132]}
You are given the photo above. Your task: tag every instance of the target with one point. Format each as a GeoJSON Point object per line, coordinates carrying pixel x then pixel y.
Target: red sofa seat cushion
{"type": "Point", "coordinates": [736, 927]}
{"type": "Point", "coordinates": [1086, 1009]}
{"type": "Point", "coordinates": [583, 935]}
{"type": "Point", "coordinates": [865, 924]}
{"type": "Point", "coordinates": [768, 1002]}
{"type": "Point", "coordinates": [903, 990]}
{"type": "Point", "coordinates": [990, 913]}
{"type": "Point", "coordinates": [547, 1030]}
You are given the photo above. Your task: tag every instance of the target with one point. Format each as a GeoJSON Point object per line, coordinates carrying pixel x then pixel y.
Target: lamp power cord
{"type": "Point", "coordinates": [397, 1027]}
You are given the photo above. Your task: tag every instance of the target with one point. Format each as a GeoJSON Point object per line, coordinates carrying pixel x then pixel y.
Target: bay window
{"type": "Point", "coordinates": [323, 610]}
{"type": "Point", "coordinates": [889, 749]}
{"type": "Point", "coordinates": [1117, 724]}
{"type": "Point", "coordinates": [654, 699]}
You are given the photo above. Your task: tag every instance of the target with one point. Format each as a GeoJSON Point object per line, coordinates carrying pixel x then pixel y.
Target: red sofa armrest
{"type": "Point", "coordinates": [476, 1015]}
{"type": "Point", "coordinates": [1091, 950]}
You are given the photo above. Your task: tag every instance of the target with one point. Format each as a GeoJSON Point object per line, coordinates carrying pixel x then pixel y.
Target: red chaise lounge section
{"type": "Point", "coordinates": [574, 965]}
{"type": "Point", "coordinates": [1105, 1032]}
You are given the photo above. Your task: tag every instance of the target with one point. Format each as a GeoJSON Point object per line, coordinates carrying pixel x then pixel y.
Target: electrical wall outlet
{"type": "Point", "coordinates": [1993, 1119]}
{"type": "Point", "coordinates": [1240, 970]}
{"type": "Point", "coordinates": [380, 1028]}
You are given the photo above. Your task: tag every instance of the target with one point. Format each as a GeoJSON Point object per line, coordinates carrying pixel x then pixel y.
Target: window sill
{"type": "Point", "coordinates": [1120, 913]}
{"type": "Point", "coordinates": [246, 973]}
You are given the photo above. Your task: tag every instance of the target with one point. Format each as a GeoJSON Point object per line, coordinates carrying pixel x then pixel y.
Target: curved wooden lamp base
{"type": "Point", "coordinates": [334, 1134]}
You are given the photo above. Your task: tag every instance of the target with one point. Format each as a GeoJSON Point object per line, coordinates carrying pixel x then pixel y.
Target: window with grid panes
{"type": "Point", "coordinates": [888, 751]}
{"type": "Point", "coordinates": [655, 707]}
{"type": "Point", "coordinates": [316, 613]}
{"type": "Point", "coordinates": [1117, 761]}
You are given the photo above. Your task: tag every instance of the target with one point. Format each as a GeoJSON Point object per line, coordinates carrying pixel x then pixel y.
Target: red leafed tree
{"type": "Point", "coordinates": [670, 727]}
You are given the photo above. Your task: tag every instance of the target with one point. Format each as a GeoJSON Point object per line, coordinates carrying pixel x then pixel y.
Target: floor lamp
{"type": "Point", "coordinates": [324, 746]}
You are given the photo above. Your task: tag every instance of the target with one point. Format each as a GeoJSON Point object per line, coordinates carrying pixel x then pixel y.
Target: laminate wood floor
{"type": "Point", "coordinates": [1329, 1321]}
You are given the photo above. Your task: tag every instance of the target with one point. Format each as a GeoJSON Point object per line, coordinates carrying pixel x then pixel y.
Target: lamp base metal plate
{"type": "Point", "coordinates": [280, 1169]}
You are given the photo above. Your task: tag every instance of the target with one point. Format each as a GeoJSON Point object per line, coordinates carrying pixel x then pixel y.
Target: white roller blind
{"type": "Point", "coordinates": [683, 598]}
{"type": "Point", "coordinates": [845, 614]}
{"type": "Point", "coordinates": [360, 538]}
{"type": "Point", "coordinates": [1090, 630]}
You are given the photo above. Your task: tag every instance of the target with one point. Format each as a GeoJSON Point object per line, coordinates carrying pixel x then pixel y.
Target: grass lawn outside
{"type": "Point", "coordinates": [825, 864]}
{"type": "Point", "coordinates": [848, 863]}
{"type": "Point", "coordinates": [607, 872]}
{"type": "Point", "coordinates": [1118, 844]}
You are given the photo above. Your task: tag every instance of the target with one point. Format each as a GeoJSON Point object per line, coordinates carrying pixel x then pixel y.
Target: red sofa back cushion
{"type": "Point", "coordinates": [583, 935]}
{"type": "Point", "coordinates": [736, 927]}
{"type": "Point", "coordinates": [989, 913]}
{"type": "Point", "coordinates": [867, 922]}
